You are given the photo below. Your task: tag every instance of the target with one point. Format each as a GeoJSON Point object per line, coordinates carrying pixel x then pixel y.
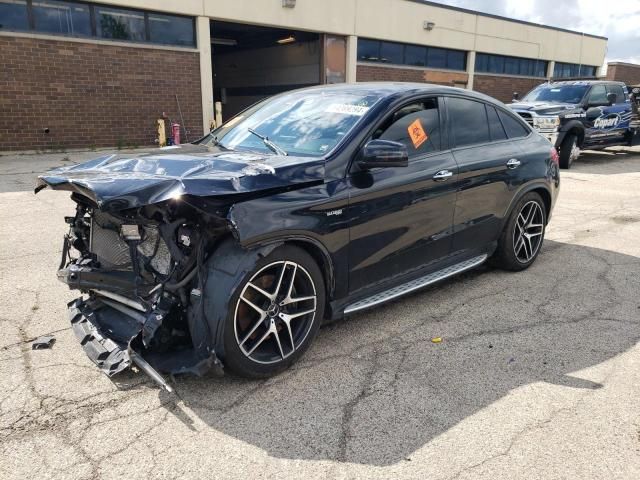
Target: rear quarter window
{"type": "Point", "coordinates": [514, 127]}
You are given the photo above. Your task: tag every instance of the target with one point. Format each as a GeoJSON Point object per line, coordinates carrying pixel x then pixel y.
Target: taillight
{"type": "Point", "coordinates": [554, 156]}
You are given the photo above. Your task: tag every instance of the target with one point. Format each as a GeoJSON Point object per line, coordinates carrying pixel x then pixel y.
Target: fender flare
{"type": "Point", "coordinates": [522, 191]}
{"type": "Point", "coordinates": [326, 265]}
{"type": "Point", "coordinates": [565, 129]}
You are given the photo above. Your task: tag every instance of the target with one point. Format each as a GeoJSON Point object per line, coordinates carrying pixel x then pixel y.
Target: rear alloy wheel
{"type": "Point", "coordinates": [523, 235]}
{"type": "Point", "coordinates": [527, 236]}
{"type": "Point", "coordinates": [569, 151]}
{"type": "Point", "coordinates": [275, 314]}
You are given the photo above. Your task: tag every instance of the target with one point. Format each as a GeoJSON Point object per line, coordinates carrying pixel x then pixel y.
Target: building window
{"type": "Point", "coordinates": [415, 55]}
{"type": "Point", "coordinates": [564, 70]}
{"type": "Point", "coordinates": [171, 30]}
{"type": "Point", "coordinates": [516, 66]}
{"type": "Point", "coordinates": [14, 15]}
{"type": "Point", "coordinates": [63, 18]}
{"type": "Point", "coordinates": [392, 52]}
{"type": "Point", "coordinates": [120, 24]}
{"type": "Point", "coordinates": [81, 19]}
{"type": "Point", "coordinates": [368, 50]}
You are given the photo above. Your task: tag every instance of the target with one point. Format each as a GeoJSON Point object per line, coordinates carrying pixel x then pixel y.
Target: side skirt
{"type": "Point", "coordinates": [415, 284]}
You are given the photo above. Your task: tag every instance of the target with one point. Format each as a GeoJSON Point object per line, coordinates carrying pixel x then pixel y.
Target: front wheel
{"type": "Point", "coordinates": [274, 314]}
{"type": "Point", "coordinates": [569, 151]}
{"type": "Point", "coordinates": [522, 237]}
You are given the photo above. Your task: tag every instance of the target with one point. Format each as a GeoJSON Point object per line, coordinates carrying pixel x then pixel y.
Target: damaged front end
{"type": "Point", "coordinates": [141, 247]}
{"type": "Point", "coordinates": [141, 271]}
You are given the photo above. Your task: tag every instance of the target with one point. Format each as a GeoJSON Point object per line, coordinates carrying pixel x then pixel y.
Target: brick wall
{"type": "Point", "coordinates": [502, 88]}
{"type": "Point", "coordinates": [628, 73]}
{"type": "Point", "coordinates": [92, 94]}
{"type": "Point", "coordinates": [374, 73]}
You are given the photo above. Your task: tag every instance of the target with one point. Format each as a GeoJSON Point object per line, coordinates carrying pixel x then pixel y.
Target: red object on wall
{"type": "Point", "coordinates": [175, 133]}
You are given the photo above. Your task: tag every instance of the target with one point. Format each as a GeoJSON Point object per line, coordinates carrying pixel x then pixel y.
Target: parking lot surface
{"type": "Point", "coordinates": [537, 374]}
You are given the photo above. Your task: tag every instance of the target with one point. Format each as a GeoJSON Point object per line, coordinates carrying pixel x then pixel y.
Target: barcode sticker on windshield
{"type": "Point", "coordinates": [347, 109]}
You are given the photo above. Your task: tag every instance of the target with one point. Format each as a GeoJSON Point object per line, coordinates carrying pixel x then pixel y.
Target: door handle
{"type": "Point", "coordinates": [513, 163]}
{"type": "Point", "coordinates": [442, 175]}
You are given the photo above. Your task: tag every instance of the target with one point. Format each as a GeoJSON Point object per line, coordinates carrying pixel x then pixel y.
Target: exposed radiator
{"type": "Point", "coordinates": [113, 252]}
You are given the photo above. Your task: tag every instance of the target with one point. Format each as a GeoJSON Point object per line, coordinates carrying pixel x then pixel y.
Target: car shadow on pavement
{"type": "Point", "coordinates": [375, 388]}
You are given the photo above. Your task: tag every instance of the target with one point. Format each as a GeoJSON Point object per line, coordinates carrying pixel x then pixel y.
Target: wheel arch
{"type": "Point", "coordinates": [539, 188]}
{"type": "Point", "coordinates": [317, 251]}
{"type": "Point", "coordinates": [575, 128]}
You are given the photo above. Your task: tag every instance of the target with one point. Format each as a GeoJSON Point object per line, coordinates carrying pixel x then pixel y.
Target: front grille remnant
{"type": "Point", "coordinates": [113, 252]}
{"type": "Point", "coordinates": [526, 117]}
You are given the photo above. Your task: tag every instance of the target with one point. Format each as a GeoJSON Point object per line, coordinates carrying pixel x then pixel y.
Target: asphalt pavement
{"type": "Point", "coordinates": [537, 374]}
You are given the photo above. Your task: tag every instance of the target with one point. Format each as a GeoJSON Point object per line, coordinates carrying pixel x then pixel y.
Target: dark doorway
{"type": "Point", "coordinates": [252, 62]}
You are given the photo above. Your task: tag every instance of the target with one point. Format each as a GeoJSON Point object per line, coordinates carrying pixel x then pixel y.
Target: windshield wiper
{"type": "Point", "coordinates": [272, 146]}
{"type": "Point", "coordinates": [218, 143]}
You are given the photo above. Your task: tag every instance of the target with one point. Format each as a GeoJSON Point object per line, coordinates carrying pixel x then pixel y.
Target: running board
{"type": "Point", "coordinates": [408, 287]}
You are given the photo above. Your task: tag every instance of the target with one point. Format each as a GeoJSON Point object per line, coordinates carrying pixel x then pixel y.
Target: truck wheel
{"type": "Point", "coordinates": [569, 150]}
{"type": "Point", "coordinates": [274, 314]}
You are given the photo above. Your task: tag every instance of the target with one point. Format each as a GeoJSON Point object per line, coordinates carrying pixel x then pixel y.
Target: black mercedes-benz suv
{"type": "Point", "coordinates": [579, 115]}
{"type": "Point", "coordinates": [306, 207]}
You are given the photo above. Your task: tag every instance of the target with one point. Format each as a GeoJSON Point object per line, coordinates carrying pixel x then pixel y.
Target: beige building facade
{"type": "Point", "coordinates": [248, 49]}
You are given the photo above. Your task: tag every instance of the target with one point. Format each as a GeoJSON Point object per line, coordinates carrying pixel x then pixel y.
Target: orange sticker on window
{"type": "Point", "coordinates": [417, 133]}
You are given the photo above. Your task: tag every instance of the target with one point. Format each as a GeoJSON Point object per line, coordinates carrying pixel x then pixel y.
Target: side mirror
{"type": "Point", "coordinates": [612, 98]}
{"type": "Point", "coordinates": [383, 153]}
{"type": "Point", "coordinates": [515, 97]}
{"type": "Point", "coordinates": [593, 113]}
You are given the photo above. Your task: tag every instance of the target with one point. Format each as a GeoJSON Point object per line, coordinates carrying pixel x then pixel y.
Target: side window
{"type": "Point", "coordinates": [617, 89]}
{"type": "Point", "coordinates": [598, 94]}
{"type": "Point", "coordinates": [468, 121]}
{"type": "Point", "coordinates": [416, 125]}
{"type": "Point", "coordinates": [513, 126]}
{"type": "Point", "coordinates": [495, 126]}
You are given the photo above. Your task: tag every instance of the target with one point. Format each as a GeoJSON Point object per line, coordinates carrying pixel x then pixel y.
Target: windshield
{"type": "Point", "coordinates": [308, 123]}
{"type": "Point", "coordinates": [556, 94]}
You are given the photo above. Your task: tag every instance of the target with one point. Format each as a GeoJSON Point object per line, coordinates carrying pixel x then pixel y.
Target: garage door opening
{"type": "Point", "coordinates": [252, 62]}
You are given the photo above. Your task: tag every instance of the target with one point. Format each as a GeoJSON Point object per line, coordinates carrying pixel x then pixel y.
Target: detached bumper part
{"type": "Point", "coordinates": [112, 354]}
{"type": "Point", "coordinates": [109, 355]}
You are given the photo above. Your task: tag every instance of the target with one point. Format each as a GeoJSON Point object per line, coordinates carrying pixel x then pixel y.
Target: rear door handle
{"type": "Point", "coordinates": [513, 163]}
{"type": "Point", "coordinates": [442, 175]}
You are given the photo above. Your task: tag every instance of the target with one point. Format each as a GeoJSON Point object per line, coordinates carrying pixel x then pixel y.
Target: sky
{"type": "Point", "coordinates": [617, 20]}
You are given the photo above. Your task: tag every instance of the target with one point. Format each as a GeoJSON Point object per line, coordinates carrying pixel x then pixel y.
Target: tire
{"type": "Point", "coordinates": [264, 335]}
{"type": "Point", "coordinates": [516, 251]}
{"type": "Point", "coordinates": [569, 150]}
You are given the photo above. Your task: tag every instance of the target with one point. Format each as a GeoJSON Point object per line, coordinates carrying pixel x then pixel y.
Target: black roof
{"type": "Point", "coordinates": [387, 89]}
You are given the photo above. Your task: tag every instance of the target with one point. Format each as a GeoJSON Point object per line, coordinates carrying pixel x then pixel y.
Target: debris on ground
{"type": "Point", "coordinates": [436, 340]}
{"type": "Point", "coordinates": [43, 342]}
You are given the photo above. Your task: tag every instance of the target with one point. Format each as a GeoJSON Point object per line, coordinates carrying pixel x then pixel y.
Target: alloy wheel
{"type": "Point", "coordinates": [527, 234]}
{"type": "Point", "coordinates": [275, 312]}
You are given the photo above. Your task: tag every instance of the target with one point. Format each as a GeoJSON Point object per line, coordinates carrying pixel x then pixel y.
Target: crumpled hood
{"type": "Point", "coordinates": [543, 108]}
{"type": "Point", "coordinates": [118, 182]}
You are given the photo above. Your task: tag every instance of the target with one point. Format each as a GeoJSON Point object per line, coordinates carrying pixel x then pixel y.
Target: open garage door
{"type": "Point", "coordinates": [253, 62]}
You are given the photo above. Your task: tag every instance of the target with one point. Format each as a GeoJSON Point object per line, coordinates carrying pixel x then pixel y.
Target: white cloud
{"type": "Point", "coordinates": [619, 21]}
